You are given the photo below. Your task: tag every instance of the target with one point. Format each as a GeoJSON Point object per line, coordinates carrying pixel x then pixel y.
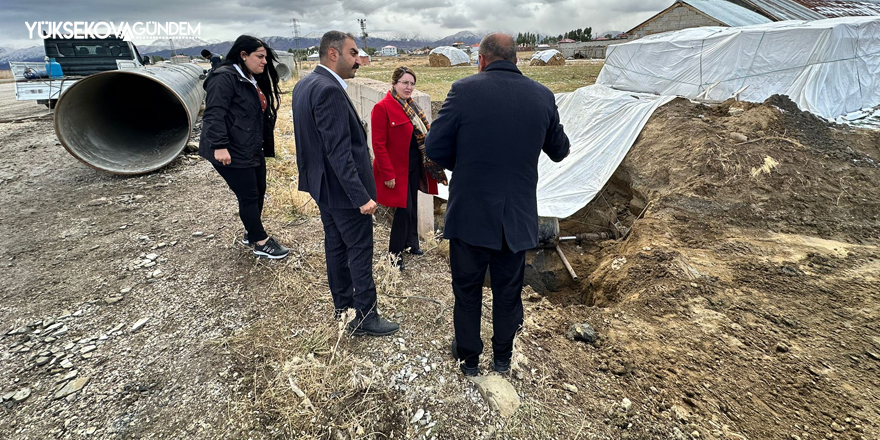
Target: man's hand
{"type": "Point", "coordinates": [390, 183]}
{"type": "Point", "coordinates": [222, 156]}
{"type": "Point", "coordinates": [369, 208]}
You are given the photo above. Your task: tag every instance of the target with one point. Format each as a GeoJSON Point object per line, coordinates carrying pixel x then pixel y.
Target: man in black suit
{"type": "Point", "coordinates": [334, 167]}
{"type": "Point", "coordinates": [490, 132]}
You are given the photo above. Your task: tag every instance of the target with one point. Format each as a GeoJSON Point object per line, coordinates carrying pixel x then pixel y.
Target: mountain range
{"type": "Point", "coordinates": [194, 46]}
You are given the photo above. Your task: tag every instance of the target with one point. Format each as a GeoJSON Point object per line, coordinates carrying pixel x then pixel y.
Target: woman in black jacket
{"type": "Point", "coordinates": [237, 132]}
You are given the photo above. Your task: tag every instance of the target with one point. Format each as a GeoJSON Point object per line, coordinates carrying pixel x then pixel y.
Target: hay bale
{"type": "Point", "coordinates": [445, 56]}
{"type": "Point", "coordinates": [547, 58]}
{"type": "Point", "coordinates": [437, 60]}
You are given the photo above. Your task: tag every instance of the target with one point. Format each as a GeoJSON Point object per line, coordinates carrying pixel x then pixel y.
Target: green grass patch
{"type": "Point", "coordinates": [436, 81]}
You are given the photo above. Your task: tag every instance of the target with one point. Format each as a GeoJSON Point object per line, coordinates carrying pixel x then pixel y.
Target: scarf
{"type": "Point", "coordinates": [420, 130]}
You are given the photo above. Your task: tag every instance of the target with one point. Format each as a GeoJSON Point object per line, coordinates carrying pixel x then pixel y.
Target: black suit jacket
{"type": "Point", "coordinates": [331, 145]}
{"type": "Point", "coordinates": [489, 132]}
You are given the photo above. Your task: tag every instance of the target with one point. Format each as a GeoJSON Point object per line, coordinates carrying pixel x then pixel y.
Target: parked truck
{"type": "Point", "coordinates": [78, 58]}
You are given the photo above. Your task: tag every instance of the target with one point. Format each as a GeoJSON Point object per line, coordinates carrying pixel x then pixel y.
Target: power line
{"type": "Point", "coordinates": [363, 22]}
{"type": "Point", "coordinates": [294, 24]}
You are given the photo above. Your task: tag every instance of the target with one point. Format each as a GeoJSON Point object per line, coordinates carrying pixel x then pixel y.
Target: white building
{"type": "Point", "coordinates": [388, 51]}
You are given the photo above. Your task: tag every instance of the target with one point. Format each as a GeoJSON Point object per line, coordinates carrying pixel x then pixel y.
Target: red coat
{"type": "Point", "coordinates": [392, 133]}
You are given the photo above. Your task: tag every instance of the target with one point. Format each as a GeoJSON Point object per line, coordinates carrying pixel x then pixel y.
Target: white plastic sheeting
{"type": "Point", "coordinates": [545, 55]}
{"type": "Point", "coordinates": [828, 67]}
{"type": "Point", "coordinates": [602, 124]}
{"type": "Point", "coordinates": [456, 56]}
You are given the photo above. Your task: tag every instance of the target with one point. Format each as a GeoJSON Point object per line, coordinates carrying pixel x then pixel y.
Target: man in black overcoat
{"type": "Point", "coordinates": [489, 133]}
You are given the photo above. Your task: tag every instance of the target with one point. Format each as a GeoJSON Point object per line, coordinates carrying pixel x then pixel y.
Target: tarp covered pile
{"type": "Point", "coordinates": [827, 67]}
{"type": "Point", "coordinates": [455, 56]}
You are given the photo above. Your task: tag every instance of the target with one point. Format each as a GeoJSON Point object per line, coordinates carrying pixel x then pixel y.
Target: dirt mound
{"type": "Point", "coordinates": [742, 288]}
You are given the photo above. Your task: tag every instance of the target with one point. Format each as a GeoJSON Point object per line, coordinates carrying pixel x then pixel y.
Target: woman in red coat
{"type": "Point", "coordinates": [400, 166]}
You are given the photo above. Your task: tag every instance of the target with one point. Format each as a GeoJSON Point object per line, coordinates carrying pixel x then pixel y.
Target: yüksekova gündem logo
{"type": "Point", "coordinates": [103, 29]}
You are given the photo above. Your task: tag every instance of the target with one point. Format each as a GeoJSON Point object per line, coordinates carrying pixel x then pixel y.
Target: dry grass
{"type": "Point", "coordinates": [284, 200]}
{"type": "Point", "coordinates": [5, 74]}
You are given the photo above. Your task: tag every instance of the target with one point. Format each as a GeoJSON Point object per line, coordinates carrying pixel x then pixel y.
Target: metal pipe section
{"type": "Point", "coordinates": [130, 121]}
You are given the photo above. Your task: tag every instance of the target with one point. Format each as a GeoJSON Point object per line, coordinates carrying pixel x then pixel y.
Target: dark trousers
{"type": "Point", "coordinates": [405, 226]}
{"type": "Point", "coordinates": [348, 246]}
{"type": "Point", "coordinates": [469, 265]}
{"type": "Point", "coordinates": [249, 186]}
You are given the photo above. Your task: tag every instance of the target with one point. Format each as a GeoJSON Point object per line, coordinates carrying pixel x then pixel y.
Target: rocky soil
{"type": "Point", "coordinates": [743, 304]}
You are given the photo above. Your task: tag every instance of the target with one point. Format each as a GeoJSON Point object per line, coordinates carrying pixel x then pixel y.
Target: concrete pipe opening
{"type": "Point", "coordinates": [128, 122]}
{"type": "Point", "coordinates": [284, 72]}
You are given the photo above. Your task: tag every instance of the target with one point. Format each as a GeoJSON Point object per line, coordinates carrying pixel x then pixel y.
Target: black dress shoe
{"type": "Point", "coordinates": [416, 252]}
{"type": "Point", "coordinates": [373, 326]}
{"type": "Point", "coordinates": [397, 259]}
{"type": "Point", "coordinates": [501, 366]}
{"type": "Point", "coordinates": [467, 371]}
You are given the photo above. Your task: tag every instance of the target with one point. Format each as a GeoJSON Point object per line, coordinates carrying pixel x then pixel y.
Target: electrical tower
{"type": "Point", "coordinates": [363, 22]}
{"type": "Point", "coordinates": [294, 26]}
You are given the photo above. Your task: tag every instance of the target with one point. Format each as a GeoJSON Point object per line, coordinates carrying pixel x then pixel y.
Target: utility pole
{"type": "Point", "coordinates": [172, 47]}
{"type": "Point", "coordinates": [294, 25]}
{"type": "Point", "coordinates": [363, 22]}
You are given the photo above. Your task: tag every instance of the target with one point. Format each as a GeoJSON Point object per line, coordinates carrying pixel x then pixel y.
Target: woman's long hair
{"type": "Point", "coordinates": [268, 80]}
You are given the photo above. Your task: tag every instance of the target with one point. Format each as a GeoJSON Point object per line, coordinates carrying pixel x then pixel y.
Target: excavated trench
{"type": "Point", "coordinates": [612, 213]}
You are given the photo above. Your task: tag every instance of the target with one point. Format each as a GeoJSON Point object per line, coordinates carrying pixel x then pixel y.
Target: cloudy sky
{"type": "Point", "coordinates": [226, 19]}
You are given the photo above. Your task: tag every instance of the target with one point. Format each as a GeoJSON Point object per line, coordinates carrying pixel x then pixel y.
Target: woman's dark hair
{"type": "Point", "coordinates": [268, 80]}
{"type": "Point", "coordinates": [399, 72]}
{"type": "Point", "coordinates": [206, 53]}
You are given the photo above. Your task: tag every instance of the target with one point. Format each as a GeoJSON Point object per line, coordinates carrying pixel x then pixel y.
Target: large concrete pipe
{"type": "Point", "coordinates": [130, 121]}
{"type": "Point", "coordinates": [285, 65]}
{"type": "Point", "coordinates": [283, 70]}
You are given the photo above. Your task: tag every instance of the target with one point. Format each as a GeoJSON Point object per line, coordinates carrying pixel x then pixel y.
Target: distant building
{"type": "Point", "coordinates": [684, 14]}
{"type": "Point", "coordinates": [364, 58]}
{"type": "Point", "coordinates": [588, 49]}
{"type": "Point", "coordinates": [780, 10]}
{"type": "Point", "coordinates": [388, 51]}
{"type": "Point", "coordinates": [565, 40]}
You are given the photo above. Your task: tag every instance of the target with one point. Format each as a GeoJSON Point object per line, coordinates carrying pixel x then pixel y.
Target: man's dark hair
{"type": "Point", "coordinates": [206, 53]}
{"type": "Point", "coordinates": [498, 46]}
{"type": "Point", "coordinates": [332, 39]}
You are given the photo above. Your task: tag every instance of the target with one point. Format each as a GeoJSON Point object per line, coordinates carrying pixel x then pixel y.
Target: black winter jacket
{"type": "Point", "coordinates": [234, 120]}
